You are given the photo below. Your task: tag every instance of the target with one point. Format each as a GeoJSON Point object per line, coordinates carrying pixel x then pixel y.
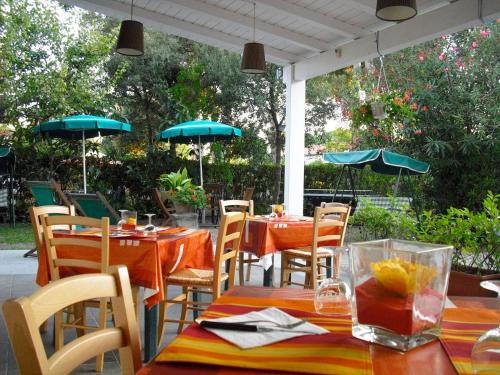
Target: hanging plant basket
{"type": "Point", "coordinates": [378, 110]}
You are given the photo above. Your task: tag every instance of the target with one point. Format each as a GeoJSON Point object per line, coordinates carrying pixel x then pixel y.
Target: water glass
{"type": "Point", "coordinates": [130, 218]}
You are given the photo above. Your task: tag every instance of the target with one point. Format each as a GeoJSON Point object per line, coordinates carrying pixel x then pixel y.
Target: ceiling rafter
{"type": "Point", "coordinates": [318, 19]}
{"type": "Point", "coordinates": [239, 19]}
{"type": "Point", "coordinates": [175, 26]}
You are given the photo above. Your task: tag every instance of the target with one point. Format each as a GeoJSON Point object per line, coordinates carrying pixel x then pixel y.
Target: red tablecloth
{"type": "Point", "coordinates": [264, 236]}
{"type": "Point", "coordinates": [147, 259]}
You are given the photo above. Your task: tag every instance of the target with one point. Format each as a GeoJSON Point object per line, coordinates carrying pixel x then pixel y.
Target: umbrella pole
{"type": "Point", "coordinates": [84, 166]}
{"type": "Point", "coordinates": [201, 163]}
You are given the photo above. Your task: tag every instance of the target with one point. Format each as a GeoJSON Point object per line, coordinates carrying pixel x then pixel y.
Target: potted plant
{"type": "Point", "coordinates": [386, 117]}
{"type": "Point", "coordinates": [185, 196]}
{"type": "Point", "coordinates": [476, 239]}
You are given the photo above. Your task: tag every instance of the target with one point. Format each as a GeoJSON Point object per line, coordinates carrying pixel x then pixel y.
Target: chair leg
{"type": "Point", "coordinates": [183, 309]}
{"type": "Point", "coordinates": [241, 268]}
{"type": "Point", "coordinates": [161, 321]}
{"type": "Point", "coordinates": [103, 310]}
{"type": "Point", "coordinates": [58, 330]}
{"type": "Point", "coordinates": [80, 312]}
{"type": "Point", "coordinates": [136, 295]}
{"type": "Point", "coordinates": [249, 267]}
{"type": "Point", "coordinates": [285, 271]}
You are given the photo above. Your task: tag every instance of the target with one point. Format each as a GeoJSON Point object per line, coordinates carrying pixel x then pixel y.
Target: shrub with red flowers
{"type": "Point", "coordinates": [181, 191]}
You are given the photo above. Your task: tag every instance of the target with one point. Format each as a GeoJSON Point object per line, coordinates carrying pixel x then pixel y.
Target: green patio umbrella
{"type": "Point", "coordinates": [81, 127]}
{"type": "Point", "coordinates": [381, 161]}
{"type": "Point", "coordinates": [201, 131]}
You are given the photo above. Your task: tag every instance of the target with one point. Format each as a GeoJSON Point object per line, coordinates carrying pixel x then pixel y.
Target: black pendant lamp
{"type": "Point", "coordinates": [396, 10]}
{"type": "Point", "coordinates": [253, 60]}
{"type": "Point", "coordinates": [131, 37]}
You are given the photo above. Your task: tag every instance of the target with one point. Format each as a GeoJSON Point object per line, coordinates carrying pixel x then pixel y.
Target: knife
{"type": "Point", "coordinates": [250, 328]}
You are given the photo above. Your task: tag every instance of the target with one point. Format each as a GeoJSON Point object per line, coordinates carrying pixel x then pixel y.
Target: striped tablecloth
{"type": "Point", "coordinates": [334, 353]}
{"type": "Point", "coordinates": [460, 330]}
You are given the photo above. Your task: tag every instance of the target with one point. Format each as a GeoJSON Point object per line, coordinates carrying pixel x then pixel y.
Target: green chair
{"type": "Point", "coordinates": [94, 205]}
{"type": "Point", "coordinates": [48, 193]}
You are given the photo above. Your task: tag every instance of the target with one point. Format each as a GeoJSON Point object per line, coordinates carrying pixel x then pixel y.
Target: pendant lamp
{"type": "Point", "coordinates": [253, 60]}
{"type": "Point", "coordinates": [131, 37]}
{"type": "Point", "coordinates": [396, 10]}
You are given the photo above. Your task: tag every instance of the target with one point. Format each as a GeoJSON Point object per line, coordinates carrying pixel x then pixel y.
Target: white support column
{"type": "Point", "coordinates": [295, 141]}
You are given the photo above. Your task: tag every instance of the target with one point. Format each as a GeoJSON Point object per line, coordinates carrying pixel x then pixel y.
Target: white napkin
{"type": "Point", "coordinates": [268, 318]}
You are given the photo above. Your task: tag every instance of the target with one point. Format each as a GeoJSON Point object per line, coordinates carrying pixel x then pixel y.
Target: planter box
{"type": "Point", "coordinates": [465, 284]}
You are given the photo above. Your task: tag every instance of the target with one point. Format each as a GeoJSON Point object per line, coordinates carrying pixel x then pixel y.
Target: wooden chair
{"type": "Point", "coordinates": [248, 193]}
{"type": "Point", "coordinates": [24, 316]}
{"type": "Point", "coordinates": [241, 205]}
{"type": "Point", "coordinates": [313, 255]}
{"type": "Point", "coordinates": [36, 214]}
{"type": "Point", "coordinates": [49, 224]}
{"type": "Point", "coordinates": [215, 192]}
{"type": "Point", "coordinates": [205, 281]}
{"type": "Point", "coordinates": [94, 205]}
{"type": "Point", "coordinates": [46, 193]}
{"type": "Point", "coordinates": [166, 212]}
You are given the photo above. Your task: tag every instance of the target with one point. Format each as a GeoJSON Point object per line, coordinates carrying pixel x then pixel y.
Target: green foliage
{"type": "Point", "coordinates": [174, 180]}
{"type": "Point", "coordinates": [181, 191]}
{"type": "Point", "coordinates": [474, 235]}
{"type": "Point", "coordinates": [376, 222]}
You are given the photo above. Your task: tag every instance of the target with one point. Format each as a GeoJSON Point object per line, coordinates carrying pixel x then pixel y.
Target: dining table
{"type": "Point", "coordinates": [148, 256]}
{"type": "Point", "coordinates": [263, 236]}
{"type": "Point", "coordinates": [198, 351]}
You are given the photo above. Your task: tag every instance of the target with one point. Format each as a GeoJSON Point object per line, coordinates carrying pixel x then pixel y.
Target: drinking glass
{"type": "Point", "coordinates": [150, 227]}
{"type": "Point", "coordinates": [130, 218]}
{"type": "Point", "coordinates": [122, 220]}
{"type": "Point", "coordinates": [333, 295]}
{"type": "Point", "coordinates": [485, 356]}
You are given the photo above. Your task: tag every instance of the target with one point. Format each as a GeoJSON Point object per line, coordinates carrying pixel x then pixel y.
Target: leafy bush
{"type": "Point", "coordinates": [376, 222]}
{"type": "Point", "coordinates": [181, 191]}
{"type": "Point", "coordinates": [474, 235]}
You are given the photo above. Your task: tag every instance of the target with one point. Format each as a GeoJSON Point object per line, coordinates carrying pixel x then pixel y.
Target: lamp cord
{"type": "Point", "coordinates": [254, 21]}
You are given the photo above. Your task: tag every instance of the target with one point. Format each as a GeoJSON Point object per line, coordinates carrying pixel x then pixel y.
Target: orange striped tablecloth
{"type": "Point", "coordinates": [264, 236]}
{"type": "Point", "coordinates": [148, 259]}
{"type": "Point", "coordinates": [334, 353]}
{"type": "Point", "coordinates": [460, 330]}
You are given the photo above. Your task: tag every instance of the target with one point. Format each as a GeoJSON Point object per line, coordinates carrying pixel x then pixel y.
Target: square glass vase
{"type": "Point", "coordinates": [399, 291]}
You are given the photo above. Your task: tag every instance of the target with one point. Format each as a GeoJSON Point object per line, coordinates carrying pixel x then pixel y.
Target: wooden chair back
{"type": "Point", "coordinates": [51, 243]}
{"type": "Point", "coordinates": [322, 220]}
{"type": "Point", "coordinates": [236, 205]}
{"type": "Point", "coordinates": [165, 211]}
{"type": "Point", "coordinates": [25, 315]}
{"type": "Point", "coordinates": [36, 214]}
{"type": "Point", "coordinates": [248, 193]}
{"type": "Point", "coordinates": [94, 205]}
{"type": "Point", "coordinates": [227, 248]}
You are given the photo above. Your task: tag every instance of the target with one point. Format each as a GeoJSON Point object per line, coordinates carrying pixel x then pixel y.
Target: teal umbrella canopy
{"type": "Point", "coordinates": [81, 127]}
{"type": "Point", "coordinates": [71, 127]}
{"type": "Point", "coordinates": [198, 131]}
{"type": "Point", "coordinates": [381, 161]}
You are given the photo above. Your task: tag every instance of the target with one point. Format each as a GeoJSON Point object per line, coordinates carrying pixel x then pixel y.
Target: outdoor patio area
{"type": "Point", "coordinates": [250, 187]}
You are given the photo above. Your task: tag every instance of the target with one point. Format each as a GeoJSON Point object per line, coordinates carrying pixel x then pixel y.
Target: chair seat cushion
{"type": "Point", "coordinates": [196, 276]}
{"type": "Point", "coordinates": [305, 252]}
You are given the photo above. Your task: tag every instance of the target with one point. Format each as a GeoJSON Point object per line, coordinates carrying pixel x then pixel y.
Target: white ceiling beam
{"type": "Point", "coordinates": [178, 27]}
{"type": "Point", "coordinates": [451, 18]}
{"type": "Point", "coordinates": [266, 28]}
{"type": "Point", "coordinates": [318, 19]}
{"type": "Point", "coordinates": [365, 6]}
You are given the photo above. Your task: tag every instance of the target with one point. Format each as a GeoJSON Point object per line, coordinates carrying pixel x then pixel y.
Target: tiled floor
{"type": "Point", "coordinates": [17, 278]}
